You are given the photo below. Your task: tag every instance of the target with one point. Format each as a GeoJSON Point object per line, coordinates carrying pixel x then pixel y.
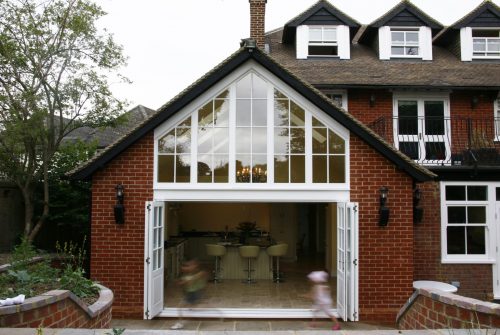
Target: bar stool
{"type": "Point", "coordinates": [277, 250]}
{"type": "Point", "coordinates": [249, 252]}
{"type": "Point", "coordinates": [217, 251]}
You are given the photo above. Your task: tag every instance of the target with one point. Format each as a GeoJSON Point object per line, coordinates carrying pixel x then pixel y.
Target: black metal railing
{"type": "Point", "coordinates": [443, 141]}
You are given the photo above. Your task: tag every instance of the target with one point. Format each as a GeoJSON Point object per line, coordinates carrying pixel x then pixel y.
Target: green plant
{"type": "Point", "coordinates": [73, 279]}
{"type": "Point", "coordinates": [72, 254]}
{"type": "Point", "coordinates": [23, 254]}
{"type": "Point", "coordinates": [116, 331]}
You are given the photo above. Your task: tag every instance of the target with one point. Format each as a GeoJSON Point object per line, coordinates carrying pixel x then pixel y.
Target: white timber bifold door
{"type": "Point", "coordinates": [347, 261]}
{"type": "Point", "coordinates": [153, 263]}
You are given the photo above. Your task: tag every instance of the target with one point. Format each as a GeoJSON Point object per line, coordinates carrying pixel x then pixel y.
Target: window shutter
{"type": "Point", "coordinates": [344, 42]}
{"type": "Point", "coordinates": [466, 44]}
{"type": "Point", "coordinates": [302, 41]}
{"type": "Point", "coordinates": [384, 42]}
{"type": "Point", "coordinates": [425, 41]}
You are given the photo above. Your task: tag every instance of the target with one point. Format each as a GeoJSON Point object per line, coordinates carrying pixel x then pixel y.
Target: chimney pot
{"type": "Point", "coordinates": [257, 19]}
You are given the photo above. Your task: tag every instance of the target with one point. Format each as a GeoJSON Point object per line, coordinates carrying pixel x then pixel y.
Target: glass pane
{"type": "Point", "coordinates": [435, 151]}
{"type": "Point", "coordinates": [494, 45]}
{"type": "Point", "coordinates": [205, 115]}
{"type": "Point", "coordinates": [477, 193]}
{"type": "Point", "coordinates": [408, 121]}
{"type": "Point", "coordinates": [204, 168]}
{"type": "Point", "coordinates": [183, 140]}
{"type": "Point", "coordinates": [479, 44]}
{"type": "Point", "coordinates": [186, 123]}
{"type": "Point", "coordinates": [410, 149]}
{"type": "Point", "coordinates": [259, 169]}
{"type": "Point", "coordinates": [412, 37]}
{"type": "Point", "coordinates": [243, 112]}
{"type": "Point", "coordinates": [320, 169]}
{"type": "Point", "coordinates": [397, 51]}
{"type": "Point", "coordinates": [221, 168]}
{"type": "Point", "coordinates": [297, 169]}
{"type": "Point", "coordinates": [281, 112]}
{"type": "Point", "coordinates": [166, 168]}
{"type": "Point", "coordinates": [243, 87]}
{"type": "Point", "coordinates": [167, 143]}
{"type": "Point", "coordinates": [315, 34]}
{"type": "Point", "coordinates": [456, 240]}
{"type": "Point", "coordinates": [281, 169]}
{"type": "Point", "coordinates": [329, 34]}
{"type": "Point", "coordinates": [279, 95]}
{"type": "Point", "coordinates": [317, 123]}
{"type": "Point", "coordinates": [434, 117]}
{"type": "Point", "coordinates": [297, 140]}
{"type": "Point", "coordinates": [337, 169]}
{"type": "Point", "coordinates": [398, 36]}
{"type": "Point", "coordinates": [223, 95]}
{"type": "Point", "coordinates": [455, 193]}
{"type": "Point", "coordinates": [319, 140]}
{"type": "Point", "coordinates": [259, 88]}
{"type": "Point", "coordinates": [476, 214]}
{"type": "Point", "coordinates": [456, 214]}
{"type": "Point", "coordinates": [221, 140]}
{"type": "Point", "coordinates": [336, 143]}
{"type": "Point", "coordinates": [182, 168]}
{"type": "Point", "coordinates": [243, 140]}
{"type": "Point", "coordinates": [323, 50]}
{"type": "Point", "coordinates": [243, 168]}
{"type": "Point", "coordinates": [281, 145]}
{"type": "Point", "coordinates": [259, 140]}
{"type": "Point", "coordinates": [221, 108]}
{"type": "Point", "coordinates": [205, 136]}
{"type": "Point", "coordinates": [476, 241]}
{"type": "Point", "coordinates": [259, 113]}
{"type": "Point", "coordinates": [412, 51]}
{"type": "Point", "coordinates": [296, 115]}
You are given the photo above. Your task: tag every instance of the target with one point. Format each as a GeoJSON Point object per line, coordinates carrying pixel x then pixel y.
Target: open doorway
{"type": "Point", "coordinates": [309, 230]}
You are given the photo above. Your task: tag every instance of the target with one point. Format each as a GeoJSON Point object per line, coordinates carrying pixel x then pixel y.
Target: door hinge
{"type": "Point", "coordinates": [355, 262]}
{"type": "Point", "coordinates": [149, 207]}
{"type": "Point", "coordinates": [147, 313]}
{"type": "Point", "coordinates": [355, 208]}
{"type": "Point", "coordinates": [148, 260]}
{"type": "Point", "coordinates": [354, 316]}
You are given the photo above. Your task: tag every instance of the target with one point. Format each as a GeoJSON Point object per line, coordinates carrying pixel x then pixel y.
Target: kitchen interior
{"type": "Point", "coordinates": [308, 230]}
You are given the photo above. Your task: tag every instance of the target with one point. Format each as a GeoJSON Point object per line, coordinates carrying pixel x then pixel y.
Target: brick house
{"type": "Point", "coordinates": [386, 133]}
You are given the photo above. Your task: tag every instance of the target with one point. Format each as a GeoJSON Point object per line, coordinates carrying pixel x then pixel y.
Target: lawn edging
{"type": "Point", "coordinates": [435, 309]}
{"type": "Point", "coordinates": [59, 309]}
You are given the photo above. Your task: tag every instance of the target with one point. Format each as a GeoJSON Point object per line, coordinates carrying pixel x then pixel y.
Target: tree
{"type": "Point", "coordinates": [55, 67]}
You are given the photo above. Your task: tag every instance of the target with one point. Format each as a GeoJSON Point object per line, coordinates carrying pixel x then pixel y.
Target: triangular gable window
{"type": "Point", "coordinates": [251, 133]}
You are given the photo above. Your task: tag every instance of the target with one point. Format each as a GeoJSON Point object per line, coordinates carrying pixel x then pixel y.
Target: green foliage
{"type": "Point", "coordinates": [22, 255]}
{"type": "Point", "coordinates": [75, 281]}
{"type": "Point", "coordinates": [116, 331]}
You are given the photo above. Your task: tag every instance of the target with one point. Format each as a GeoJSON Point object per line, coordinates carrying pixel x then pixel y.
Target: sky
{"type": "Point", "coordinates": [172, 43]}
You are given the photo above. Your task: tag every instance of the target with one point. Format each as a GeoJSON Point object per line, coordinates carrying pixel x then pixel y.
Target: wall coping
{"type": "Point", "coordinates": [451, 299]}
{"type": "Point", "coordinates": [102, 304]}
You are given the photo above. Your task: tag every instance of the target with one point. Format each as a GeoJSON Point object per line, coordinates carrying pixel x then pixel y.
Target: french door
{"type": "Point", "coordinates": [153, 260]}
{"type": "Point", "coordinates": [422, 129]}
{"type": "Point", "coordinates": [347, 261]}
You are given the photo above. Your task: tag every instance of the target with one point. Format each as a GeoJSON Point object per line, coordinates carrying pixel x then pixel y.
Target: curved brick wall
{"type": "Point", "coordinates": [433, 309]}
{"type": "Point", "coordinates": [59, 309]}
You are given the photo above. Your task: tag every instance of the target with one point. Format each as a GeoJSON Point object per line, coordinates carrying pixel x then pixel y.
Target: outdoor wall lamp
{"type": "Point", "coordinates": [418, 211]}
{"type": "Point", "coordinates": [474, 101]}
{"type": "Point", "coordinates": [372, 100]}
{"type": "Point", "coordinates": [383, 210]}
{"type": "Point", "coordinates": [119, 208]}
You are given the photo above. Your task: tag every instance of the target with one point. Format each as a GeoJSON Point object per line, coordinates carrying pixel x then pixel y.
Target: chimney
{"type": "Point", "coordinates": [257, 17]}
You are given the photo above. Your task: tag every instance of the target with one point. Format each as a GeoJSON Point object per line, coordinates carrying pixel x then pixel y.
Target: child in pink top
{"type": "Point", "coordinates": [321, 296]}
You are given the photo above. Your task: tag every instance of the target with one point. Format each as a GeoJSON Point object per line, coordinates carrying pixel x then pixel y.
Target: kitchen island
{"type": "Point", "coordinates": [234, 266]}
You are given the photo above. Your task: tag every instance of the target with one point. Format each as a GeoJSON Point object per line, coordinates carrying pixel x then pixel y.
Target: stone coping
{"type": "Point", "coordinates": [103, 303]}
{"type": "Point", "coordinates": [453, 300]}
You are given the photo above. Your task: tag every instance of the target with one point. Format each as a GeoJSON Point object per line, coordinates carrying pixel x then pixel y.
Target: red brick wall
{"type": "Point", "coordinates": [476, 280]}
{"type": "Point", "coordinates": [385, 253]}
{"type": "Point", "coordinates": [117, 251]}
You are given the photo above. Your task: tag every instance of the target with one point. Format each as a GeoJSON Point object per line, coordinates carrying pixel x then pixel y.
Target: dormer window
{"type": "Point", "coordinates": [486, 43]}
{"type": "Point", "coordinates": [404, 42]}
{"type": "Point", "coordinates": [323, 41]}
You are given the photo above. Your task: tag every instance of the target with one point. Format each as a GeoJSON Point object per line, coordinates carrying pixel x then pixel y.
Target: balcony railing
{"type": "Point", "coordinates": [457, 141]}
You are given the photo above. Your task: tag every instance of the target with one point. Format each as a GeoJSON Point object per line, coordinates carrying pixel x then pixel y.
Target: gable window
{"type": "Point", "coordinates": [486, 43]}
{"type": "Point", "coordinates": [251, 133]}
{"type": "Point", "coordinates": [323, 41]}
{"type": "Point", "coordinates": [339, 98]}
{"type": "Point", "coordinates": [466, 221]}
{"type": "Point", "coordinates": [404, 42]}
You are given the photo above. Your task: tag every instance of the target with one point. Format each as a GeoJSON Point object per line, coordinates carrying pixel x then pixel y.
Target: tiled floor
{"type": "Point", "coordinates": [262, 294]}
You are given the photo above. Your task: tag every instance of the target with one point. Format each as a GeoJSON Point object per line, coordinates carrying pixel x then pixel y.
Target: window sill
{"type": "Point", "coordinates": [468, 261]}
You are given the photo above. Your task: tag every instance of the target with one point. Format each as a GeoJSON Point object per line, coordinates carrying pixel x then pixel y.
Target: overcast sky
{"type": "Point", "coordinates": [171, 43]}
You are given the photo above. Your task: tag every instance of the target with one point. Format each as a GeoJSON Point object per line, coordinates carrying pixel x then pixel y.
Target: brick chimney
{"type": "Point", "coordinates": [257, 17]}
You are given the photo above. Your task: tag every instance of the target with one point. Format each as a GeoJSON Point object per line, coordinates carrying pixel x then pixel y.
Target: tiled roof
{"type": "Point", "coordinates": [365, 69]}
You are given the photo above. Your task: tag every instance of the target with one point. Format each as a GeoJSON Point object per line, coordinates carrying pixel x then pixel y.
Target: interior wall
{"type": "Point", "coordinates": [216, 216]}
{"type": "Point", "coordinates": [331, 253]}
{"type": "Point", "coordinates": [284, 226]}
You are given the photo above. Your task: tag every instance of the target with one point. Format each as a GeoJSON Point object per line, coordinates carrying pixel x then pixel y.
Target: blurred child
{"type": "Point", "coordinates": [321, 296]}
{"type": "Point", "coordinates": [192, 281]}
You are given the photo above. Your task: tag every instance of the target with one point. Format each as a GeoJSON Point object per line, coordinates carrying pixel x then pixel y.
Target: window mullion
{"type": "Point", "coordinates": [232, 134]}
{"type": "Point", "coordinates": [194, 147]}
{"type": "Point", "coordinates": [270, 133]}
{"type": "Point", "coordinates": [308, 146]}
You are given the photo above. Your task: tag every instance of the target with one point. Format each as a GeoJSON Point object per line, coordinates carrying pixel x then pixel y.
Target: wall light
{"type": "Point", "coordinates": [474, 101]}
{"type": "Point", "coordinates": [372, 100]}
{"type": "Point", "coordinates": [418, 211]}
{"type": "Point", "coordinates": [384, 211]}
{"type": "Point", "coordinates": [119, 208]}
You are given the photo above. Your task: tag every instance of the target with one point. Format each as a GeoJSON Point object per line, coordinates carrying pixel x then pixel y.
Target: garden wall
{"type": "Point", "coordinates": [59, 309]}
{"type": "Point", "coordinates": [433, 309]}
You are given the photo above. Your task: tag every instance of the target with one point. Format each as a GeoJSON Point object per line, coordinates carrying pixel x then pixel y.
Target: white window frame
{"type": "Point", "coordinates": [342, 93]}
{"type": "Point", "coordinates": [487, 38]}
{"type": "Point", "coordinates": [496, 117]}
{"type": "Point", "coordinates": [421, 137]}
{"type": "Point", "coordinates": [406, 30]}
{"type": "Point", "coordinates": [274, 82]}
{"type": "Point", "coordinates": [490, 232]}
{"type": "Point", "coordinates": [323, 42]}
